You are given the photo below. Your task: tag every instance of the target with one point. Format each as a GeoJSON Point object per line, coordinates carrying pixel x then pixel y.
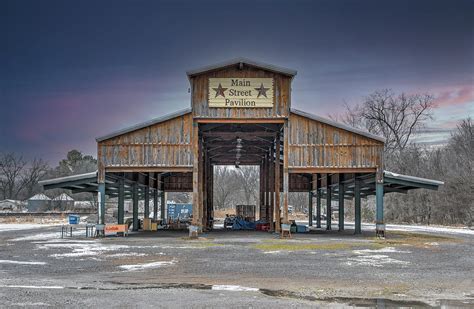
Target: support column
{"type": "Point", "coordinates": [286, 180]}
{"type": "Point", "coordinates": [271, 193]}
{"type": "Point", "coordinates": [162, 199]}
{"type": "Point", "coordinates": [135, 206]}
{"type": "Point", "coordinates": [379, 223]}
{"type": "Point", "coordinates": [277, 184]}
{"type": "Point", "coordinates": [328, 203]}
{"type": "Point", "coordinates": [155, 204]}
{"type": "Point", "coordinates": [146, 211]}
{"type": "Point", "coordinates": [101, 200]}
{"type": "Point", "coordinates": [262, 211]}
{"type": "Point", "coordinates": [341, 203]}
{"type": "Point", "coordinates": [121, 202]}
{"type": "Point", "coordinates": [195, 147]}
{"type": "Point", "coordinates": [357, 215]}
{"type": "Point", "coordinates": [310, 208]}
{"type": "Point", "coordinates": [318, 208]}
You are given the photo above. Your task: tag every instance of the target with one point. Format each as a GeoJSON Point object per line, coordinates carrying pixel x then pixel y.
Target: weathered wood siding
{"type": "Point", "coordinates": [166, 144]}
{"type": "Point", "coordinates": [199, 99]}
{"type": "Point", "coordinates": [319, 145]}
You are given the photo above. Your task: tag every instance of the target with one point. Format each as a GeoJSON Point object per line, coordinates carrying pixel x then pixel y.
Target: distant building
{"type": "Point", "coordinates": [63, 202]}
{"type": "Point", "coordinates": [39, 202]}
{"type": "Point", "coordinates": [11, 205]}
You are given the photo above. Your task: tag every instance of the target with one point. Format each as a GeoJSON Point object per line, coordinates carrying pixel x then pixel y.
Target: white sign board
{"type": "Point", "coordinates": [240, 92]}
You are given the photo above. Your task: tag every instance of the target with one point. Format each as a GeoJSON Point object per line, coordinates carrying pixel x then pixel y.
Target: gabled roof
{"type": "Point", "coordinates": [144, 124]}
{"type": "Point", "coordinates": [257, 64]}
{"type": "Point", "coordinates": [63, 197]}
{"type": "Point", "coordinates": [337, 124]}
{"type": "Point", "coordinates": [39, 197]}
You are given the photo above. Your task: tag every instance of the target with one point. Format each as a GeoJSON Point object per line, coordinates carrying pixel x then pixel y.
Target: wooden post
{"type": "Point", "coordinates": [266, 176]}
{"type": "Point", "coordinates": [162, 198]}
{"type": "Point", "coordinates": [101, 185]}
{"type": "Point", "coordinates": [318, 208]}
{"type": "Point", "coordinates": [285, 172]}
{"type": "Point", "coordinates": [341, 203]}
{"type": "Point", "coordinates": [277, 184]}
{"type": "Point", "coordinates": [195, 147]}
{"type": "Point", "coordinates": [201, 185]}
{"type": "Point", "coordinates": [357, 215]}
{"type": "Point", "coordinates": [328, 203]}
{"type": "Point", "coordinates": [312, 191]}
{"type": "Point", "coordinates": [271, 186]}
{"type": "Point", "coordinates": [121, 202]}
{"type": "Point", "coordinates": [262, 210]}
{"type": "Point", "coordinates": [135, 206]}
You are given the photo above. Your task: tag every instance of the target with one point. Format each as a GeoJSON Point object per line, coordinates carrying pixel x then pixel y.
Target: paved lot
{"type": "Point", "coordinates": [236, 269]}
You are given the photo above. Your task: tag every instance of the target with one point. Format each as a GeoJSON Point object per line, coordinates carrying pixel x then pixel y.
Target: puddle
{"type": "Point", "coordinates": [346, 301]}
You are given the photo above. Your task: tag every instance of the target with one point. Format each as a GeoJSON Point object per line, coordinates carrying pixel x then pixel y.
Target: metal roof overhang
{"type": "Point", "coordinates": [392, 183]}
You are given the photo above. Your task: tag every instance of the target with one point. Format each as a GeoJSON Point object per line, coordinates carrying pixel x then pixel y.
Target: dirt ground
{"type": "Point", "coordinates": [235, 269]}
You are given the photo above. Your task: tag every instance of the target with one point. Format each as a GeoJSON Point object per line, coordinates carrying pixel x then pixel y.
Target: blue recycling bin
{"type": "Point", "coordinates": [74, 219]}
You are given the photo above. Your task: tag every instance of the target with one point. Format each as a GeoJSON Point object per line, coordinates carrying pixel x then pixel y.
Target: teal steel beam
{"type": "Point", "coordinates": [318, 208]}
{"type": "Point", "coordinates": [155, 204]}
{"type": "Point", "coordinates": [379, 203]}
{"type": "Point", "coordinates": [328, 209]}
{"type": "Point", "coordinates": [358, 221]}
{"type": "Point", "coordinates": [341, 205]}
{"type": "Point", "coordinates": [135, 207]}
{"type": "Point", "coordinates": [121, 202]}
{"type": "Point", "coordinates": [146, 211]}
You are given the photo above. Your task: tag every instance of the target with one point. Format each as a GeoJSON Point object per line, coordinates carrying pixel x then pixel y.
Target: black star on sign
{"type": "Point", "coordinates": [219, 91]}
{"type": "Point", "coordinates": [261, 91]}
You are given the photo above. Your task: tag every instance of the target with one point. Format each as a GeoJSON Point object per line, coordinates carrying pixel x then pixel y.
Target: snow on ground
{"type": "Point", "coordinates": [235, 288]}
{"type": "Point", "coordinates": [147, 265]}
{"type": "Point", "coordinates": [50, 235]}
{"type": "Point", "coordinates": [80, 249]}
{"type": "Point", "coordinates": [369, 257]}
{"type": "Point", "coordinates": [21, 262]}
{"type": "Point", "coordinates": [24, 226]}
{"type": "Point", "coordinates": [408, 228]}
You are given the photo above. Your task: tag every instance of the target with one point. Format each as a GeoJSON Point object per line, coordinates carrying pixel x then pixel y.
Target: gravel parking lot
{"type": "Point", "coordinates": [236, 269]}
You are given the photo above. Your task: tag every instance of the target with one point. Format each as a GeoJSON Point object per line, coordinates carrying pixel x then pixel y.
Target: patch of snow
{"type": "Point", "coordinates": [235, 288]}
{"type": "Point", "coordinates": [32, 286]}
{"type": "Point", "coordinates": [365, 258]}
{"type": "Point", "coordinates": [147, 265]}
{"type": "Point", "coordinates": [47, 236]}
{"type": "Point", "coordinates": [21, 262]}
{"type": "Point", "coordinates": [81, 249]}
{"type": "Point", "coordinates": [272, 252]}
{"type": "Point", "coordinates": [17, 227]}
{"type": "Point", "coordinates": [129, 254]}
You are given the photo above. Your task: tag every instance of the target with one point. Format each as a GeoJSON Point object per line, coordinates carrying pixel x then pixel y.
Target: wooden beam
{"type": "Point", "coordinates": [237, 120]}
{"type": "Point", "coordinates": [358, 221]}
{"type": "Point", "coordinates": [328, 207]}
{"type": "Point", "coordinates": [329, 170]}
{"type": "Point", "coordinates": [286, 185]}
{"type": "Point", "coordinates": [341, 204]}
{"type": "Point", "coordinates": [147, 169]}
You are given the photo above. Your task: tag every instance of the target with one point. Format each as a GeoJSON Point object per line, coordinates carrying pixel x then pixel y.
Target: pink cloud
{"type": "Point", "coordinates": [454, 95]}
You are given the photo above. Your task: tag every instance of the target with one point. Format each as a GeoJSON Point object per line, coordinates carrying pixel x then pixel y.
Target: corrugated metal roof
{"type": "Point", "coordinates": [413, 178]}
{"type": "Point", "coordinates": [144, 124]}
{"type": "Point", "coordinates": [68, 178]}
{"type": "Point", "coordinates": [265, 66]}
{"type": "Point", "coordinates": [337, 124]}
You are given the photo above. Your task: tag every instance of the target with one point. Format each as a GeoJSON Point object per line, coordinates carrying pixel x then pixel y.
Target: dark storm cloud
{"type": "Point", "coordinates": [73, 70]}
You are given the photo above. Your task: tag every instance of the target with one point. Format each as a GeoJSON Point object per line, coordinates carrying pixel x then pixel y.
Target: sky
{"type": "Point", "coordinates": [71, 71]}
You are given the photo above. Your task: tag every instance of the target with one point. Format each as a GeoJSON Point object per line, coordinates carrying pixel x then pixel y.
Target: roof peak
{"type": "Point", "coordinates": [242, 60]}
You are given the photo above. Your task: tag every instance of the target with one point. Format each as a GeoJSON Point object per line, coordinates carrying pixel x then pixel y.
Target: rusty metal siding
{"type": "Point", "coordinates": [315, 144]}
{"type": "Point", "coordinates": [166, 144]}
{"type": "Point", "coordinates": [199, 99]}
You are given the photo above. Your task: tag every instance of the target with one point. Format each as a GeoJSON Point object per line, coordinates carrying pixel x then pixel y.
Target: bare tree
{"type": "Point", "coordinates": [247, 177]}
{"type": "Point", "coordinates": [395, 117]}
{"type": "Point", "coordinates": [11, 167]}
{"type": "Point", "coordinates": [223, 186]}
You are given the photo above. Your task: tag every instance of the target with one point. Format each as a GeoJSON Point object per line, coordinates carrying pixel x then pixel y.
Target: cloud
{"type": "Point", "coordinates": [455, 95]}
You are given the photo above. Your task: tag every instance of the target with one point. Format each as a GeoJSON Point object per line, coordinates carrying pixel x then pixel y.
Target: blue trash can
{"type": "Point", "coordinates": [74, 219]}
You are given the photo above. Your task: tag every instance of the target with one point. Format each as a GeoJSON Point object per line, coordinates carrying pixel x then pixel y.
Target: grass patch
{"type": "Point", "coordinates": [285, 246]}
{"type": "Point", "coordinates": [411, 239]}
